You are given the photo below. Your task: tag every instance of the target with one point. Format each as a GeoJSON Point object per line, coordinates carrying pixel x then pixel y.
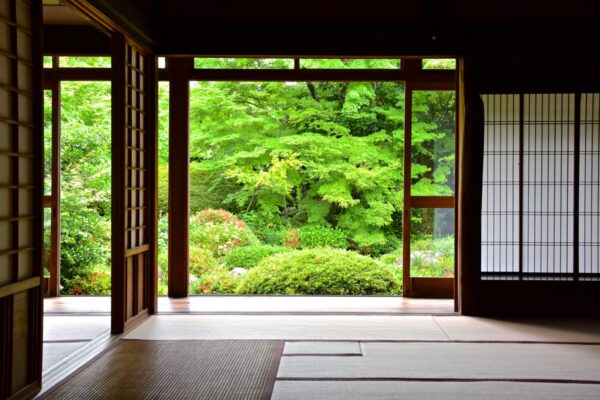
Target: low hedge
{"type": "Point", "coordinates": [249, 256]}
{"type": "Point", "coordinates": [319, 271]}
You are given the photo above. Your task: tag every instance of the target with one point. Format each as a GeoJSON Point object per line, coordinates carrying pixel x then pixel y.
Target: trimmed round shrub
{"type": "Point", "coordinates": [249, 256]}
{"type": "Point", "coordinates": [219, 231]}
{"type": "Point", "coordinates": [310, 236]}
{"type": "Point", "coordinates": [201, 261]}
{"type": "Point", "coordinates": [319, 271]}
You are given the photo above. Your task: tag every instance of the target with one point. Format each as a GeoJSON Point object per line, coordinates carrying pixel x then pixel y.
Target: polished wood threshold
{"type": "Point", "coordinates": [351, 305]}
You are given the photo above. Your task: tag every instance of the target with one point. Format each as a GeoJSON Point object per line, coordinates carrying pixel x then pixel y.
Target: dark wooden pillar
{"type": "Point", "coordinates": [54, 289]}
{"type": "Point", "coordinates": [179, 174]}
{"type": "Point", "coordinates": [470, 137]}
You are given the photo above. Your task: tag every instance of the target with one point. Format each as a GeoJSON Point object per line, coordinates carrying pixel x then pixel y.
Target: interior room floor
{"type": "Point", "coordinates": [64, 335]}
{"type": "Point", "coordinates": [354, 355]}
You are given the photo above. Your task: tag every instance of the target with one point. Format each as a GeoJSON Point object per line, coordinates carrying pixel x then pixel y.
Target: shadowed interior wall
{"type": "Point", "coordinates": [21, 192]}
{"type": "Point", "coordinates": [539, 203]}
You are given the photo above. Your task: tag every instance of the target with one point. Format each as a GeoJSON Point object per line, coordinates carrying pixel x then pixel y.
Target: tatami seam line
{"type": "Point", "coordinates": [440, 326]}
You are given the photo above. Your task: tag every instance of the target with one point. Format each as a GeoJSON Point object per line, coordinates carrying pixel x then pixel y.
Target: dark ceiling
{"type": "Point", "coordinates": [373, 11]}
{"type": "Point", "coordinates": [374, 27]}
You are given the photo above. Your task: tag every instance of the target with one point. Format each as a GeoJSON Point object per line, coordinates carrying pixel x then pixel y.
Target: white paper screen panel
{"type": "Point", "coordinates": [589, 185]}
{"type": "Point", "coordinates": [548, 188]}
{"type": "Point", "coordinates": [500, 195]}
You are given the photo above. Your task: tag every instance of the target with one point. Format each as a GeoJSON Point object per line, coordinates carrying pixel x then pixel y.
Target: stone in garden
{"type": "Point", "coordinates": [238, 271]}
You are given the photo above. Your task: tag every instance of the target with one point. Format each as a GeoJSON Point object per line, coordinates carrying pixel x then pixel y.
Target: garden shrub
{"type": "Point", "coordinates": [93, 283]}
{"type": "Point", "coordinates": [291, 238]}
{"type": "Point", "coordinates": [310, 236]}
{"type": "Point", "coordinates": [219, 231]}
{"type": "Point", "coordinates": [393, 257]}
{"type": "Point", "coordinates": [201, 261]}
{"type": "Point", "coordinates": [216, 281]}
{"type": "Point", "coordinates": [274, 236]}
{"type": "Point", "coordinates": [433, 256]}
{"type": "Point", "coordinates": [249, 256]}
{"type": "Point", "coordinates": [391, 244]}
{"type": "Point", "coordinates": [267, 230]}
{"type": "Point", "coordinates": [319, 271]}
{"type": "Point", "coordinates": [429, 257]}
{"type": "Point", "coordinates": [85, 238]}
{"type": "Point", "coordinates": [163, 254]}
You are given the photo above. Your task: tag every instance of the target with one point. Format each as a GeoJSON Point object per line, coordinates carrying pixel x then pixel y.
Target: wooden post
{"type": "Point", "coordinates": [54, 289]}
{"type": "Point", "coordinates": [151, 278]}
{"type": "Point", "coordinates": [470, 137]}
{"type": "Point", "coordinates": [179, 175]}
{"type": "Point", "coordinates": [406, 212]}
{"type": "Point", "coordinates": [118, 202]}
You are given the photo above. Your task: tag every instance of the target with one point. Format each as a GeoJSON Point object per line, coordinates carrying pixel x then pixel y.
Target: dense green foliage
{"type": "Point", "coordinates": [249, 256]}
{"type": "Point", "coordinates": [321, 236]}
{"type": "Point", "coordinates": [85, 183]}
{"type": "Point", "coordinates": [326, 153]}
{"type": "Point", "coordinates": [319, 271]}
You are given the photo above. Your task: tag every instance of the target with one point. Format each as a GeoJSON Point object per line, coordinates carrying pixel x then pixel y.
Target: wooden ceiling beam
{"type": "Point", "coordinates": [131, 18]}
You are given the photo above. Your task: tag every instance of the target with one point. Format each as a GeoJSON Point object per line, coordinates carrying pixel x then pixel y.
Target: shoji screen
{"type": "Point", "coordinates": [589, 185]}
{"type": "Point", "coordinates": [500, 191]}
{"type": "Point", "coordinates": [540, 204]}
{"type": "Point", "coordinates": [133, 184]}
{"type": "Point", "coordinates": [548, 183]}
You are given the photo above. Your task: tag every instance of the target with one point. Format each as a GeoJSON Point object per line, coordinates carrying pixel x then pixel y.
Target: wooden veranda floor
{"type": "Point", "coordinates": [262, 305]}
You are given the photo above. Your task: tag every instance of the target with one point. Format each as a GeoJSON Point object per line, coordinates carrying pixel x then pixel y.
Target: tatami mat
{"type": "Point", "coordinates": [453, 361]}
{"type": "Point", "coordinates": [56, 352]}
{"type": "Point", "coordinates": [322, 348]}
{"type": "Point", "coordinates": [74, 328]}
{"type": "Point", "coordinates": [520, 329]}
{"type": "Point", "coordinates": [309, 327]}
{"type": "Point", "coordinates": [331, 390]}
{"type": "Point", "coordinates": [360, 327]}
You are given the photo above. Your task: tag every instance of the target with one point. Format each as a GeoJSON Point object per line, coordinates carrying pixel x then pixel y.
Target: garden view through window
{"type": "Point", "coordinates": [295, 187]}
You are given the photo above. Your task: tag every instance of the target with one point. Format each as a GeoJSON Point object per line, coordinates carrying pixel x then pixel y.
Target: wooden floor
{"type": "Point", "coordinates": [352, 305]}
{"type": "Point", "coordinates": [346, 356]}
